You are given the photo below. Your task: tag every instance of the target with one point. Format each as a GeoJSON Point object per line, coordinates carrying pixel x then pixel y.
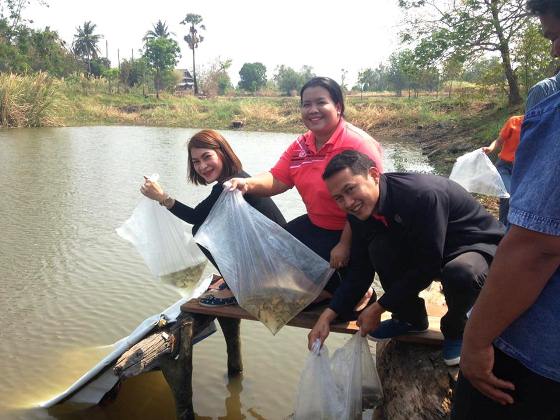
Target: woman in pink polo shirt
{"type": "Point", "coordinates": [323, 228]}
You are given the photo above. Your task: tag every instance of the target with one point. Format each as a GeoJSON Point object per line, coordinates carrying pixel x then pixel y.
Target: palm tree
{"type": "Point", "coordinates": [160, 30]}
{"type": "Point", "coordinates": [85, 42]}
{"type": "Point", "coordinates": [193, 39]}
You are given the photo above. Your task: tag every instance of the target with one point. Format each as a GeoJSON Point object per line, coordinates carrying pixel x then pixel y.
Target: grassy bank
{"type": "Point", "coordinates": [444, 127]}
{"type": "Point", "coordinates": [30, 101]}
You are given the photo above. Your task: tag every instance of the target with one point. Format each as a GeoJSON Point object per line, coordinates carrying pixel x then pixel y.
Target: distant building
{"type": "Point", "coordinates": [187, 81]}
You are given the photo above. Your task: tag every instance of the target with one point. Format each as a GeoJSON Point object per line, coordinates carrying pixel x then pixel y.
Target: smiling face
{"type": "Point", "coordinates": [355, 194]}
{"type": "Point", "coordinates": [551, 30]}
{"type": "Point", "coordinates": [207, 163]}
{"type": "Point", "coordinates": [319, 112]}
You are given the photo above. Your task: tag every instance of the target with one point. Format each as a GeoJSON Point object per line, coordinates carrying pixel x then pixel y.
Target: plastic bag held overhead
{"type": "Point", "coordinates": [477, 174]}
{"type": "Point", "coordinates": [163, 240]}
{"type": "Point", "coordinates": [272, 274]}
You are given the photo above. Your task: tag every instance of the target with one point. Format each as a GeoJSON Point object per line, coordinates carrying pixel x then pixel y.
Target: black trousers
{"type": "Point", "coordinates": [320, 240]}
{"type": "Point", "coordinates": [462, 278]}
{"type": "Point", "coordinates": [535, 397]}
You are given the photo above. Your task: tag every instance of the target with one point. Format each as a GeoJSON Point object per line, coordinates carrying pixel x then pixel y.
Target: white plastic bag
{"type": "Point", "coordinates": [163, 240]}
{"type": "Point", "coordinates": [341, 389]}
{"type": "Point", "coordinates": [272, 274]}
{"type": "Point", "coordinates": [356, 377]}
{"type": "Point", "coordinates": [317, 396]}
{"type": "Point", "coordinates": [477, 174]}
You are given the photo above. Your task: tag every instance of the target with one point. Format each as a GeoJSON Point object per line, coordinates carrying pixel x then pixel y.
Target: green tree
{"type": "Point", "coordinates": [374, 80]}
{"type": "Point", "coordinates": [159, 30]}
{"type": "Point", "coordinates": [252, 76]}
{"type": "Point", "coordinates": [532, 53]}
{"type": "Point", "coordinates": [288, 80]}
{"type": "Point", "coordinates": [85, 43]}
{"type": "Point", "coordinates": [467, 28]}
{"type": "Point", "coordinates": [161, 55]}
{"type": "Point", "coordinates": [193, 39]}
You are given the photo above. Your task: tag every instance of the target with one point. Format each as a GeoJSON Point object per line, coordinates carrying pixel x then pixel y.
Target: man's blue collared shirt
{"type": "Point", "coordinates": [534, 338]}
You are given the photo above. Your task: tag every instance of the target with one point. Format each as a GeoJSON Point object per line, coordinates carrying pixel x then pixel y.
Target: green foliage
{"type": "Point", "coordinates": [532, 54]}
{"type": "Point", "coordinates": [85, 44]}
{"type": "Point", "coordinates": [252, 76]}
{"type": "Point", "coordinates": [161, 54]}
{"type": "Point", "coordinates": [133, 72]}
{"type": "Point", "coordinates": [24, 50]}
{"type": "Point", "coordinates": [289, 81]}
{"type": "Point", "coordinates": [466, 29]}
{"type": "Point", "coordinates": [193, 39]}
{"type": "Point", "coordinates": [159, 30]}
{"type": "Point", "coordinates": [374, 80]}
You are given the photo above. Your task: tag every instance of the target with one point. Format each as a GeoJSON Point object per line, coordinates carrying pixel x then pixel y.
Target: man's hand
{"type": "Point", "coordinates": [370, 318]}
{"type": "Point", "coordinates": [476, 366]}
{"type": "Point", "coordinates": [322, 328]}
{"type": "Point", "coordinates": [340, 255]}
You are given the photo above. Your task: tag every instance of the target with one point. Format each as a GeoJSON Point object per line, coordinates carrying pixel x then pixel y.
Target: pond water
{"type": "Point", "coordinates": [70, 286]}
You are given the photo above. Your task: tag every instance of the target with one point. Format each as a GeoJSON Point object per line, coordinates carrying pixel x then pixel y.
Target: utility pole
{"type": "Point", "coordinates": [119, 72]}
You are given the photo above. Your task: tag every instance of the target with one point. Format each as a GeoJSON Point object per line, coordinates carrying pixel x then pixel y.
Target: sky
{"type": "Point", "coordinates": [327, 35]}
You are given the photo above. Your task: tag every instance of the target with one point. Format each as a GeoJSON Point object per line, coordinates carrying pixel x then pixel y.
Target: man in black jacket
{"type": "Point", "coordinates": [410, 229]}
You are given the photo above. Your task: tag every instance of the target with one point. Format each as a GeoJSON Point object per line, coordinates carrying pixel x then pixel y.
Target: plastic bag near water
{"type": "Point", "coordinates": [342, 388]}
{"type": "Point", "coordinates": [272, 275]}
{"type": "Point", "coordinates": [317, 396]}
{"type": "Point", "coordinates": [477, 174]}
{"type": "Point", "coordinates": [165, 243]}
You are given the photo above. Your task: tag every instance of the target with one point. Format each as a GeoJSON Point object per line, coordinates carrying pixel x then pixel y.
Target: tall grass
{"type": "Point", "coordinates": [28, 101]}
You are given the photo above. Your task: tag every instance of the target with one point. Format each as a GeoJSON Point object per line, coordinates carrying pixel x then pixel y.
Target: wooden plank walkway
{"type": "Point", "coordinates": [306, 319]}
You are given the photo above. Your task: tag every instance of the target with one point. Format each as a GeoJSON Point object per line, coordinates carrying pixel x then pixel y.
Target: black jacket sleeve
{"type": "Point", "coordinates": [196, 216]}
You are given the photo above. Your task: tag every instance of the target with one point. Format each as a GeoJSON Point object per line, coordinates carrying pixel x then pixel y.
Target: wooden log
{"type": "Point", "coordinates": [416, 382]}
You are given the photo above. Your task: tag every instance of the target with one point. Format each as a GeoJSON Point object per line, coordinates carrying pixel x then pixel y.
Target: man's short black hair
{"type": "Point", "coordinates": [544, 7]}
{"type": "Point", "coordinates": [357, 162]}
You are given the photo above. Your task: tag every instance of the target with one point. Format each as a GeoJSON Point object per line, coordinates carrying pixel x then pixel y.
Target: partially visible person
{"type": "Point", "coordinates": [507, 142]}
{"type": "Point", "coordinates": [551, 85]}
{"type": "Point", "coordinates": [411, 229]}
{"type": "Point", "coordinates": [510, 365]}
{"type": "Point", "coordinates": [210, 160]}
{"type": "Point", "coordinates": [323, 228]}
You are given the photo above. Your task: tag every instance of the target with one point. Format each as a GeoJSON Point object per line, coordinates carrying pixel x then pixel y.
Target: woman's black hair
{"type": "Point", "coordinates": [330, 85]}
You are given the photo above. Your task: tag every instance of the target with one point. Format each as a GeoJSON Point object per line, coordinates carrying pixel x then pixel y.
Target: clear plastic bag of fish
{"type": "Point", "coordinates": [165, 243]}
{"type": "Point", "coordinates": [272, 275]}
{"type": "Point", "coordinates": [476, 173]}
{"type": "Point", "coordinates": [317, 396]}
{"type": "Point", "coordinates": [341, 388]}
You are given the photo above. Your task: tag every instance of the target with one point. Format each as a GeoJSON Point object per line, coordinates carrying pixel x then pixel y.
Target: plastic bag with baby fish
{"type": "Point", "coordinates": [272, 275]}
{"type": "Point", "coordinates": [165, 243]}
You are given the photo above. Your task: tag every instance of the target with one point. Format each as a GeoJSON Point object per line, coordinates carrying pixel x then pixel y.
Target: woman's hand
{"type": "Point", "coordinates": [240, 184]}
{"type": "Point", "coordinates": [340, 255]}
{"type": "Point", "coordinates": [487, 150]}
{"type": "Point", "coordinates": [152, 189]}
